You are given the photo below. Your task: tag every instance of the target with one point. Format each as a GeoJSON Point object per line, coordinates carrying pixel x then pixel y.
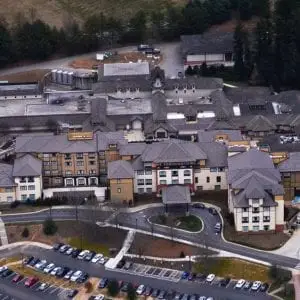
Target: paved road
{"type": "Point", "coordinates": [182, 286]}
{"type": "Point", "coordinates": [172, 62]}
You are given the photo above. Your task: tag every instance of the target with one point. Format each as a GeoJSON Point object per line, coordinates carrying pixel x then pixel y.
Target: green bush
{"type": "Point", "coordinates": [162, 219]}
{"type": "Point", "coordinates": [113, 288]}
{"type": "Point", "coordinates": [25, 232]}
{"type": "Point", "coordinates": [131, 295]}
{"type": "Point", "coordinates": [49, 227]}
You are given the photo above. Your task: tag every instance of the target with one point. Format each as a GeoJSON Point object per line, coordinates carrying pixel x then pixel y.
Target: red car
{"type": "Point", "coordinates": [17, 278]}
{"type": "Point", "coordinates": [30, 281]}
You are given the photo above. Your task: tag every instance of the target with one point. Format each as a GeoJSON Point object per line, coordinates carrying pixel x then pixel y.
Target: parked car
{"type": "Point", "coordinates": [17, 278]}
{"type": "Point", "coordinates": [69, 251]}
{"type": "Point", "coordinates": [201, 276]}
{"type": "Point", "coordinates": [155, 293]}
{"type": "Point", "coordinates": [185, 297]}
{"type": "Point", "coordinates": [103, 283]}
{"type": "Point", "coordinates": [28, 260]}
{"type": "Point", "coordinates": [72, 293]}
{"type": "Point", "coordinates": [247, 285]}
{"type": "Point", "coordinates": [82, 254]}
{"type": "Point", "coordinates": [41, 264]}
{"type": "Point", "coordinates": [99, 297]}
{"type": "Point", "coordinates": [218, 227]}
{"type": "Point", "coordinates": [177, 296]}
{"type": "Point", "coordinates": [125, 287]}
{"type": "Point", "coordinates": [57, 246]}
{"type": "Point", "coordinates": [192, 276]}
{"type": "Point", "coordinates": [102, 260]}
{"type": "Point", "coordinates": [64, 248]}
{"type": "Point", "coordinates": [210, 298]}
{"type": "Point", "coordinates": [76, 275]}
{"type": "Point", "coordinates": [89, 256]}
{"type": "Point", "coordinates": [210, 277]}
{"type": "Point", "coordinates": [162, 294]}
{"type": "Point", "coordinates": [185, 275]}
{"type": "Point", "coordinates": [148, 291]}
{"type": "Point", "coordinates": [97, 257]}
{"type": "Point", "coordinates": [55, 270]}
{"type": "Point", "coordinates": [30, 281]}
{"type": "Point", "coordinates": [69, 274]}
{"type": "Point", "coordinates": [75, 252]}
{"type": "Point", "coordinates": [213, 211]}
{"type": "Point", "coordinates": [43, 286]}
{"type": "Point", "coordinates": [83, 278]}
{"type": "Point", "coordinates": [128, 265]}
{"type": "Point", "coordinates": [7, 273]}
{"type": "Point", "coordinates": [140, 290]}
{"type": "Point", "coordinates": [255, 286]}
{"type": "Point", "coordinates": [49, 268]}
{"type": "Point", "coordinates": [239, 284]}
{"type": "Point", "coordinates": [62, 272]}
{"type": "Point", "coordinates": [3, 268]}
{"type": "Point", "coordinates": [264, 287]}
{"type": "Point", "coordinates": [194, 297]}
{"type": "Point", "coordinates": [225, 281]}
{"type": "Point", "coordinates": [202, 298]}
{"type": "Point", "coordinates": [199, 205]}
{"type": "Point", "coordinates": [33, 262]}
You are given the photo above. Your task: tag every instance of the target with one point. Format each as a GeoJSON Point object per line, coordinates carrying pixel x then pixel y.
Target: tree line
{"type": "Point", "coordinates": [36, 40]}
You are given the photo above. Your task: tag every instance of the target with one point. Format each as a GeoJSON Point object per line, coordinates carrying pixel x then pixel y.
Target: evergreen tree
{"type": "Point", "coordinates": [6, 53]}
{"type": "Point", "coordinates": [239, 66]}
{"type": "Point", "coordinates": [245, 9]}
{"type": "Point", "coordinates": [218, 10]}
{"type": "Point", "coordinates": [136, 29]}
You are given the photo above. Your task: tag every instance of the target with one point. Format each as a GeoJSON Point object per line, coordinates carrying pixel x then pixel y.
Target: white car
{"type": "Point", "coordinates": [49, 268]}
{"type": "Point", "coordinates": [40, 264]}
{"type": "Point", "coordinates": [140, 290]}
{"type": "Point", "coordinates": [3, 268]}
{"type": "Point", "coordinates": [76, 275]}
{"type": "Point", "coordinates": [210, 277]}
{"type": "Point", "coordinates": [99, 297]}
{"type": "Point", "coordinates": [55, 270]}
{"type": "Point", "coordinates": [102, 261]}
{"type": "Point", "coordinates": [83, 254]}
{"type": "Point", "coordinates": [69, 251]}
{"type": "Point", "coordinates": [239, 284]}
{"type": "Point", "coordinates": [97, 257]}
{"type": "Point", "coordinates": [256, 285]}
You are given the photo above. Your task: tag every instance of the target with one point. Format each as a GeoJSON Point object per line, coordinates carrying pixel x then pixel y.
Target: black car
{"type": "Point", "coordinates": [56, 246]}
{"type": "Point", "coordinates": [89, 256]}
{"type": "Point", "coordinates": [199, 205]}
{"type": "Point", "coordinates": [103, 283]}
{"type": "Point", "coordinates": [62, 272]}
{"type": "Point", "coordinates": [225, 281]}
{"type": "Point", "coordinates": [72, 293]}
{"type": "Point", "coordinates": [148, 291]}
{"type": "Point", "coordinates": [125, 287]}
{"type": "Point", "coordinates": [155, 293]}
{"type": "Point", "coordinates": [213, 211]}
{"type": "Point", "coordinates": [7, 273]}
{"type": "Point", "coordinates": [83, 278]}
{"type": "Point", "coordinates": [264, 287]}
{"type": "Point", "coordinates": [201, 276]}
{"type": "Point", "coordinates": [28, 260]}
{"type": "Point", "coordinates": [75, 252]}
{"type": "Point", "coordinates": [162, 294]}
{"type": "Point", "coordinates": [34, 262]}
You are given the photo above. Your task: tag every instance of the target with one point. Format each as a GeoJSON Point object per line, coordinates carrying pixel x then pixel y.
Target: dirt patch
{"type": "Point", "coordinates": [157, 247]}
{"type": "Point", "coordinates": [89, 233]}
{"type": "Point", "coordinates": [29, 76]}
{"type": "Point", "coordinates": [127, 57]}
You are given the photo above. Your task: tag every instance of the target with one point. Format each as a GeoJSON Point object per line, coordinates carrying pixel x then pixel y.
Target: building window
{"type": "Point", "coordinates": [140, 172]}
{"type": "Point", "coordinates": [30, 179]}
{"type": "Point", "coordinates": [266, 219]}
{"type": "Point", "coordinates": [9, 199]}
{"type": "Point", "coordinates": [255, 201]}
{"type": "Point", "coordinates": [161, 135]}
{"type": "Point", "coordinates": [221, 169]}
{"type": "Point", "coordinates": [79, 155]}
{"type": "Point", "coordinates": [148, 172]}
{"type": "Point", "coordinates": [148, 181]}
{"type": "Point", "coordinates": [266, 209]}
{"type": "Point", "coordinates": [140, 190]}
{"type": "Point", "coordinates": [162, 174]}
{"type": "Point", "coordinates": [217, 187]}
{"type": "Point", "coordinates": [32, 196]}
{"type": "Point", "coordinates": [8, 190]}
{"type": "Point", "coordinates": [92, 162]}
{"type": "Point", "coordinates": [118, 181]}
{"type": "Point", "coordinates": [175, 181]}
{"type": "Point", "coordinates": [187, 181]}
{"type": "Point", "coordinates": [92, 155]}
{"type": "Point", "coordinates": [23, 179]}
{"type": "Point", "coordinates": [186, 173]}
{"type": "Point", "coordinates": [266, 227]}
{"type": "Point", "coordinates": [255, 228]}
{"type": "Point", "coordinates": [46, 155]}
{"type": "Point", "coordinates": [23, 188]}
{"type": "Point", "coordinates": [119, 190]}
{"type": "Point", "coordinates": [68, 164]}
{"type": "Point", "coordinates": [149, 190]}
{"type": "Point", "coordinates": [207, 179]}
{"type": "Point", "coordinates": [255, 210]}
{"type": "Point", "coordinates": [175, 173]}
{"type": "Point", "coordinates": [112, 146]}
{"type": "Point", "coordinates": [31, 187]}
{"type": "Point", "coordinates": [23, 197]}
{"type": "Point", "coordinates": [68, 173]}
{"type": "Point", "coordinates": [218, 178]}
{"type": "Point", "coordinates": [80, 172]}
{"type": "Point", "coordinates": [81, 181]}
{"type": "Point", "coordinates": [245, 220]}
{"type": "Point", "coordinates": [245, 209]}
{"type": "Point", "coordinates": [93, 181]}
{"type": "Point", "coordinates": [245, 228]}
{"type": "Point", "coordinates": [199, 188]}
{"type": "Point", "coordinates": [140, 181]}
{"type": "Point", "coordinates": [79, 163]}
{"type": "Point", "coordinates": [196, 179]}
{"type": "Point", "coordinates": [57, 180]}
{"type": "Point", "coordinates": [255, 219]}
{"type": "Point", "coordinates": [92, 171]}
{"type": "Point", "coordinates": [213, 170]}
{"type": "Point", "coordinates": [47, 173]}
{"type": "Point", "coordinates": [163, 182]}
{"type": "Point", "coordinates": [69, 182]}
{"type": "Point", "coordinates": [67, 156]}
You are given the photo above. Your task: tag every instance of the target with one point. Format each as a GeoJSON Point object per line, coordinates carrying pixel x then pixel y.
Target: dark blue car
{"type": "Point", "coordinates": [185, 275]}
{"type": "Point", "coordinates": [103, 283]}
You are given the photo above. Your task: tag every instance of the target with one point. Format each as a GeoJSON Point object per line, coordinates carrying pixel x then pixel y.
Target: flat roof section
{"type": "Point", "coordinates": [126, 69]}
{"type": "Point", "coordinates": [128, 107]}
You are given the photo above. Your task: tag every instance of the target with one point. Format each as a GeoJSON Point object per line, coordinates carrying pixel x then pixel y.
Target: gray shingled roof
{"type": "Point", "coordinates": [6, 178]}
{"type": "Point", "coordinates": [206, 83]}
{"type": "Point", "coordinates": [119, 169]}
{"type": "Point", "coordinates": [292, 164]}
{"type": "Point", "coordinates": [210, 135]}
{"type": "Point", "coordinates": [260, 123]}
{"type": "Point", "coordinates": [132, 149]}
{"type": "Point", "coordinates": [176, 194]}
{"type": "Point", "coordinates": [216, 154]}
{"type": "Point", "coordinates": [27, 165]}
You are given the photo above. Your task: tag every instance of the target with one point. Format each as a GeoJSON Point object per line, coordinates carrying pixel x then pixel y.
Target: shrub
{"type": "Point", "coordinates": [279, 275]}
{"type": "Point", "coordinates": [131, 295]}
{"type": "Point", "coordinates": [88, 287]}
{"type": "Point", "coordinates": [113, 288]}
{"type": "Point", "coordinates": [25, 233]}
{"type": "Point", "coordinates": [230, 219]}
{"type": "Point", "coordinates": [15, 204]}
{"type": "Point", "coordinates": [182, 254]}
{"type": "Point", "coordinates": [49, 227]}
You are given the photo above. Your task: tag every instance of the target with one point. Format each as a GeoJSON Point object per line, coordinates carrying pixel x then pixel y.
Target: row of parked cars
{"type": "Point", "coordinates": [59, 271]}
{"type": "Point", "coordinates": [240, 284]}
{"type": "Point", "coordinates": [81, 254]}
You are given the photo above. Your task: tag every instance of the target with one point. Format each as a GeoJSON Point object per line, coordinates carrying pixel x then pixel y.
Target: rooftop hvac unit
{"type": "Point", "coordinates": [59, 76]}
{"type": "Point", "coordinates": [53, 75]}
{"type": "Point", "coordinates": [65, 77]}
{"type": "Point", "coordinates": [180, 101]}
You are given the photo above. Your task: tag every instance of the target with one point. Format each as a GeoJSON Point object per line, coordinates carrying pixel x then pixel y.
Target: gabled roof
{"type": "Point", "coordinates": [27, 165]}
{"type": "Point", "coordinates": [6, 178]}
{"type": "Point", "coordinates": [210, 135]}
{"type": "Point", "coordinates": [260, 123]}
{"type": "Point", "coordinates": [176, 194]}
{"type": "Point", "coordinates": [291, 164]}
{"type": "Point", "coordinates": [119, 169]}
{"type": "Point", "coordinates": [133, 149]}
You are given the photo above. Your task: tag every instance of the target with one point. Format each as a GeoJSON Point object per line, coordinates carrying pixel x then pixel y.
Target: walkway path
{"type": "Point", "coordinates": [3, 235]}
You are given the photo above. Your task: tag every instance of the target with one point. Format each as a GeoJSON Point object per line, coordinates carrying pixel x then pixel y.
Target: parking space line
{"type": "Point", "coordinates": [34, 285]}
{"type": "Point", "coordinates": [21, 281]}
{"type": "Point", "coordinates": [54, 290]}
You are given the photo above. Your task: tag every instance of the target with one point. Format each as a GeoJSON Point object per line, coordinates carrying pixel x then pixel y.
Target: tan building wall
{"type": "Point", "coordinates": [121, 189]}
{"type": "Point", "coordinates": [291, 182]}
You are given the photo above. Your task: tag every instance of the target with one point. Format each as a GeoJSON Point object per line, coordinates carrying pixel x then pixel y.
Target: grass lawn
{"type": "Point", "coordinates": [274, 286]}
{"type": "Point", "coordinates": [84, 244]}
{"type": "Point", "coordinates": [234, 268]}
{"type": "Point", "coordinates": [288, 294]}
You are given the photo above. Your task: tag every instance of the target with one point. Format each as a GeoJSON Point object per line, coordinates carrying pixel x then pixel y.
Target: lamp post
{"type": "Point", "coordinates": [136, 221]}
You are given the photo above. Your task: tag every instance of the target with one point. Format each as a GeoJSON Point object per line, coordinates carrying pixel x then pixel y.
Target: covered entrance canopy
{"type": "Point", "coordinates": [176, 195]}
